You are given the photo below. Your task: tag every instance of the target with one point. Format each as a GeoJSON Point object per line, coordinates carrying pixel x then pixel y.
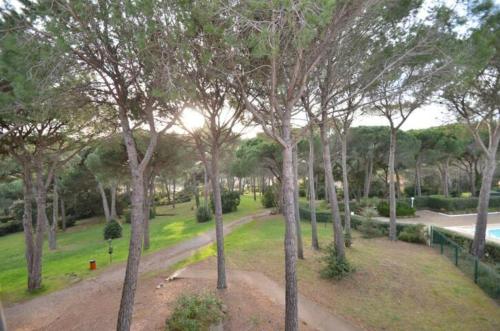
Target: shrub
{"type": "Point", "coordinates": [195, 312]}
{"type": "Point", "coordinates": [203, 214]}
{"type": "Point", "coordinates": [371, 229]}
{"type": "Point", "coordinates": [335, 268]}
{"type": "Point", "coordinates": [413, 234]}
{"type": "Point", "coordinates": [128, 216]}
{"type": "Point", "coordinates": [302, 192]}
{"type": "Point", "coordinates": [441, 203]}
{"type": "Point", "coordinates": [112, 230]}
{"type": "Point", "coordinates": [402, 209]}
{"type": "Point", "coordinates": [70, 221]}
{"type": "Point", "coordinates": [268, 199]}
{"type": "Point", "coordinates": [230, 201]}
{"type": "Point", "coordinates": [10, 227]}
{"type": "Point", "coordinates": [152, 213]}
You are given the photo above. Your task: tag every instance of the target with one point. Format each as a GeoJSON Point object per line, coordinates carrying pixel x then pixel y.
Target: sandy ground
{"type": "Point", "coordinates": [93, 304]}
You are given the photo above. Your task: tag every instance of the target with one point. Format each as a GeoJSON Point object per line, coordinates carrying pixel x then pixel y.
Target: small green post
{"type": "Point", "coordinates": [476, 267]}
{"type": "Point", "coordinates": [110, 251]}
{"type": "Point", "coordinates": [456, 255]}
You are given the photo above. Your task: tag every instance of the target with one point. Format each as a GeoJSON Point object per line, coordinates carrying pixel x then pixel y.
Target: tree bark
{"type": "Point", "coordinates": [291, 295]}
{"type": "Point", "coordinates": [347, 209]}
{"type": "Point", "coordinates": [368, 177]}
{"type": "Point", "coordinates": [173, 194]}
{"type": "Point", "coordinates": [137, 221]}
{"type": "Point", "coordinates": [41, 223]}
{"type": "Point", "coordinates": [113, 213]}
{"type": "Point", "coordinates": [398, 184]}
{"type": "Point", "coordinates": [205, 187]}
{"type": "Point", "coordinates": [392, 189]}
{"type": "Point", "coordinates": [254, 189]}
{"type": "Point", "coordinates": [484, 199]}
{"type": "Point", "coordinates": [146, 214]}
{"type": "Point", "coordinates": [219, 230]}
{"type": "Point", "coordinates": [332, 194]}
{"type": "Point", "coordinates": [300, 249]}
{"type": "Point", "coordinates": [55, 216]}
{"type": "Point", "coordinates": [104, 201]}
{"type": "Point", "coordinates": [312, 193]}
{"type": "Point", "coordinates": [63, 215]}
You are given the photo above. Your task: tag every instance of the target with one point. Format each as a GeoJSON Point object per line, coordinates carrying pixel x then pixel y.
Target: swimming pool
{"type": "Point", "coordinates": [492, 231]}
{"type": "Point", "coordinates": [495, 233]}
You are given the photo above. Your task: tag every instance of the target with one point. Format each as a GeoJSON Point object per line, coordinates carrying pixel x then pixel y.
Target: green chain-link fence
{"type": "Point", "coordinates": [483, 275]}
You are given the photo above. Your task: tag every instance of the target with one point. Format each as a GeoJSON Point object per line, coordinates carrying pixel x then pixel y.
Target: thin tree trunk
{"type": "Point", "coordinates": [55, 216]}
{"type": "Point", "coordinates": [392, 189]}
{"type": "Point", "coordinates": [219, 230]}
{"type": "Point", "coordinates": [104, 201]}
{"type": "Point", "coordinates": [473, 180]}
{"type": "Point", "coordinates": [332, 194]}
{"type": "Point", "coordinates": [398, 184]}
{"type": "Point", "coordinates": [206, 188]}
{"type": "Point", "coordinates": [173, 193]}
{"type": "Point", "coordinates": [347, 209]}
{"type": "Point", "coordinates": [63, 215]}
{"type": "Point", "coordinates": [484, 199]}
{"type": "Point", "coordinates": [446, 178]}
{"type": "Point", "coordinates": [368, 178]}
{"type": "Point", "coordinates": [418, 177]}
{"type": "Point", "coordinates": [300, 249]}
{"type": "Point", "coordinates": [254, 189]}
{"type": "Point", "coordinates": [146, 211]}
{"type": "Point", "coordinates": [312, 193]}
{"type": "Point", "coordinates": [291, 295]}
{"type": "Point", "coordinates": [167, 186]}
{"type": "Point", "coordinates": [114, 214]}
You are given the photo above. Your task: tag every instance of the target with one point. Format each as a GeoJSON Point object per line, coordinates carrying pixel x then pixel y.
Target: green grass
{"type": "Point", "coordinates": [69, 263]}
{"type": "Point", "coordinates": [396, 286]}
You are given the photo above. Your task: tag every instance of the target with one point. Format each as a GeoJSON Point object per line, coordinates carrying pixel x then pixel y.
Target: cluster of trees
{"type": "Point", "coordinates": [73, 72]}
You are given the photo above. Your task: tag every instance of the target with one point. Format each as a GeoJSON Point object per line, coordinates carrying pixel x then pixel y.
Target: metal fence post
{"type": "Point", "coordinates": [441, 243]}
{"type": "Point", "coordinates": [476, 267]}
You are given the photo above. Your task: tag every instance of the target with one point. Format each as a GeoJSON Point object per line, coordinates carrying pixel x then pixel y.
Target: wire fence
{"type": "Point", "coordinates": [487, 278]}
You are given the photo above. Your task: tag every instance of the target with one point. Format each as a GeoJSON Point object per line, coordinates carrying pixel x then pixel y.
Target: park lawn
{"type": "Point", "coordinates": [396, 286]}
{"type": "Point", "coordinates": [78, 245]}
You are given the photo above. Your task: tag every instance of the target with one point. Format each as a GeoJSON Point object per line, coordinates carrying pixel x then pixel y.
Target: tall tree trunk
{"type": "Point", "coordinates": [55, 216]}
{"type": "Point", "coordinates": [312, 193]}
{"type": "Point", "coordinates": [104, 201]}
{"type": "Point", "coordinates": [113, 213]}
{"type": "Point", "coordinates": [332, 194]}
{"type": "Point", "coordinates": [368, 177]}
{"type": "Point", "coordinates": [63, 215]}
{"type": "Point", "coordinates": [483, 204]}
{"type": "Point", "coordinates": [287, 189]}
{"type": "Point", "coordinates": [167, 186]}
{"type": "Point", "coordinates": [146, 211]}
{"type": "Point", "coordinates": [219, 229]}
{"type": "Point", "coordinates": [345, 182]}
{"type": "Point", "coordinates": [392, 188]}
{"type": "Point", "coordinates": [300, 249]}
{"type": "Point", "coordinates": [398, 184]}
{"type": "Point", "coordinates": [34, 279]}
{"type": "Point", "coordinates": [473, 179]}
{"type": "Point", "coordinates": [41, 223]}
{"type": "Point", "coordinates": [137, 221]}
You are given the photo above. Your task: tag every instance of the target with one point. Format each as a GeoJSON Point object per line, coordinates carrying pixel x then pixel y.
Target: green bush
{"type": "Point", "coordinates": [128, 216]}
{"type": "Point", "coordinates": [203, 214]}
{"type": "Point", "coordinates": [230, 201]}
{"type": "Point", "coordinates": [413, 234]}
{"type": "Point", "coordinates": [10, 227]}
{"type": "Point", "coordinates": [335, 268]}
{"type": "Point", "coordinates": [441, 203]}
{"type": "Point", "coordinates": [302, 192]}
{"type": "Point", "coordinates": [268, 199]}
{"type": "Point", "coordinates": [112, 230]}
{"type": "Point", "coordinates": [402, 209]}
{"type": "Point", "coordinates": [371, 229]}
{"type": "Point", "coordinates": [70, 221]}
{"type": "Point", "coordinates": [195, 312]}
{"type": "Point", "coordinates": [152, 213]}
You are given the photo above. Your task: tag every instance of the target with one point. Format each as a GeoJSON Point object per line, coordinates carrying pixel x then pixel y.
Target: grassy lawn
{"type": "Point", "coordinates": [69, 263]}
{"type": "Point", "coordinates": [396, 286]}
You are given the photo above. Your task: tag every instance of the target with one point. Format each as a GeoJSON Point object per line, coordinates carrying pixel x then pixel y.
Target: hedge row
{"type": "Point", "coordinates": [491, 250]}
{"type": "Point", "coordinates": [10, 227]}
{"type": "Point", "coordinates": [441, 203]}
{"type": "Point", "coordinates": [356, 220]}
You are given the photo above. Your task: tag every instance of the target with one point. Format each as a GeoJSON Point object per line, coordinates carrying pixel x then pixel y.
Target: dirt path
{"type": "Point", "coordinates": [313, 314]}
{"type": "Point", "coordinates": [92, 304]}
